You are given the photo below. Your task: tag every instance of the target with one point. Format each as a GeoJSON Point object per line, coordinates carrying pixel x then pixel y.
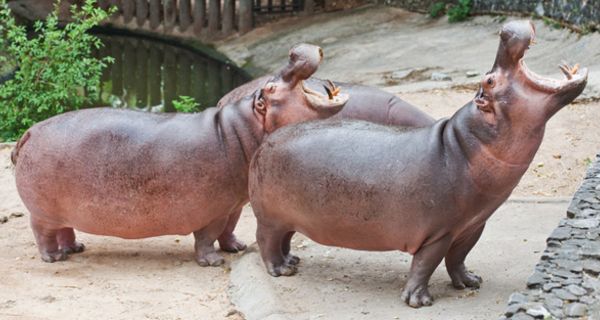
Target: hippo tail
{"type": "Point", "coordinates": [15, 152]}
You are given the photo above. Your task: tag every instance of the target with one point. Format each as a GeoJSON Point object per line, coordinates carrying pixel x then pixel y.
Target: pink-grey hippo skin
{"type": "Point", "coordinates": [426, 191]}
{"type": "Point", "coordinates": [364, 103]}
{"type": "Point", "coordinates": [135, 175]}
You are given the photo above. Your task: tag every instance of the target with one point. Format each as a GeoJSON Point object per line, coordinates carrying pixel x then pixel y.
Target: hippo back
{"type": "Point", "coordinates": [365, 103]}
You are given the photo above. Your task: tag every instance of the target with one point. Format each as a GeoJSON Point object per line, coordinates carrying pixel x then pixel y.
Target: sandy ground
{"type": "Point", "coordinates": [335, 283]}
{"type": "Point", "coordinates": [158, 279]}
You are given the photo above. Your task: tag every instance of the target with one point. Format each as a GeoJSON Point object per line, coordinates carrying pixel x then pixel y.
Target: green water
{"type": "Point", "coordinates": [149, 75]}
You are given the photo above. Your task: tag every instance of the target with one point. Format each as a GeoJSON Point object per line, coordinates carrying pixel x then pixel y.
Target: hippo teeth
{"type": "Point", "coordinates": [333, 98]}
{"type": "Point", "coordinates": [569, 71]}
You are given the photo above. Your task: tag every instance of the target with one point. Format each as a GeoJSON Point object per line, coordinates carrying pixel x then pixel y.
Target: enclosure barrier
{"type": "Point", "coordinates": [204, 19]}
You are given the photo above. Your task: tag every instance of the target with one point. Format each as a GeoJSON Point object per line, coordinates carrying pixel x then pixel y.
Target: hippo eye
{"type": "Point", "coordinates": [490, 81]}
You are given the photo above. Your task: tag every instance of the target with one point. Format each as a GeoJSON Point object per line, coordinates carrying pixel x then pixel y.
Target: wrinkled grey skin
{"type": "Point", "coordinates": [133, 174]}
{"type": "Point", "coordinates": [426, 191]}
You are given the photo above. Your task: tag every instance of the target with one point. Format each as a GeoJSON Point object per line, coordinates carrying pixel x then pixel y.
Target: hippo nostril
{"type": "Point", "coordinates": [321, 53]}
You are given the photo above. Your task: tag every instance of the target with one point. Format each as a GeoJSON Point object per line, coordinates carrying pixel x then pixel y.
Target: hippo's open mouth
{"type": "Point", "coordinates": [574, 75]}
{"type": "Point", "coordinates": [333, 98]}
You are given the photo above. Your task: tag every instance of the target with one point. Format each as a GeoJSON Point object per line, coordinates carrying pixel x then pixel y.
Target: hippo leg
{"type": "Point", "coordinates": [206, 254]}
{"type": "Point", "coordinates": [46, 239]}
{"type": "Point", "coordinates": [67, 243]}
{"type": "Point", "coordinates": [285, 248]}
{"type": "Point", "coordinates": [270, 240]}
{"type": "Point", "coordinates": [227, 240]}
{"type": "Point", "coordinates": [415, 293]}
{"type": "Point", "coordinates": [455, 262]}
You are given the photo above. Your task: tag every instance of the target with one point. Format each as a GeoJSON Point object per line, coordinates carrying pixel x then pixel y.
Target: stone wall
{"type": "Point", "coordinates": [566, 281]}
{"type": "Point", "coordinates": [582, 14]}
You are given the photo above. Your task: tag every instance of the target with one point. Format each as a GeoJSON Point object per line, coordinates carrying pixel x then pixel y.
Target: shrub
{"type": "Point", "coordinates": [460, 11]}
{"type": "Point", "coordinates": [437, 9]}
{"type": "Point", "coordinates": [57, 71]}
{"type": "Point", "coordinates": [185, 104]}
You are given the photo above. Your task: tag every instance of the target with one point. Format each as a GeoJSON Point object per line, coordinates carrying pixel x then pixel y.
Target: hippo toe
{"type": "Point", "coordinates": [230, 243]}
{"type": "Point", "coordinates": [463, 278]}
{"type": "Point", "coordinates": [51, 257]}
{"type": "Point", "coordinates": [416, 296]}
{"type": "Point", "coordinates": [286, 269]}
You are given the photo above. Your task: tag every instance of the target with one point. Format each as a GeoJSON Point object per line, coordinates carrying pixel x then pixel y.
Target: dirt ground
{"type": "Point", "coordinates": [158, 279]}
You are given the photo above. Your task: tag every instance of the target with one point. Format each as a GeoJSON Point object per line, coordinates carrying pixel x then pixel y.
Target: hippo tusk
{"type": "Point", "coordinates": [329, 93]}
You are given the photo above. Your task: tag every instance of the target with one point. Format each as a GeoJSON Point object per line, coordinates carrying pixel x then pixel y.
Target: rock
{"type": "Point", "coordinates": [573, 209]}
{"type": "Point", "coordinates": [440, 76]}
{"type": "Point", "coordinates": [561, 273]}
{"type": "Point", "coordinates": [569, 281]}
{"type": "Point", "coordinates": [517, 298]}
{"type": "Point", "coordinates": [522, 316]}
{"type": "Point", "coordinates": [591, 199]}
{"type": "Point", "coordinates": [16, 214]}
{"type": "Point", "coordinates": [570, 265]}
{"type": "Point", "coordinates": [539, 9]}
{"type": "Point", "coordinates": [587, 300]}
{"type": "Point", "coordinates": [560, 233]}
{"type": "Point", "coordinates": [514, 308]}
{"type": "Point", "coordinates": [591, 267]}
{"type": "Point", "coordinates": [535, 280]}
{"type": "Point", "coordinates": [564, 294]}
{"type": "Point", "coordinates": [592, 235]}
{"type": "Point", "coordinates": [584, 223]}
{"type": "Point", "coordinates": [576, 290]}
{"type": "Point", "coordinates": [551, 285]}
{"type": "Point", "coordinates": [538, 312]}
{"type": "Point", "coordinates": [471, 74]}
{"type": "Point", "coordinates": [329, 40]}
{"type": "Point", "coordinates": [591, 249]}
{"type": "Point", "coordinates": [575, 309]}
{"type": "Point", "coordinates": [591, 283]}
{"type": "Point", "coordinates": [402, 74]}
{"type": "Point", "coordinates": [553, 302]}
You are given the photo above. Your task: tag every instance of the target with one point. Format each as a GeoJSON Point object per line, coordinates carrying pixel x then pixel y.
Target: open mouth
{"type": "Point", "coordinates": [574, 75]}
{"type": "Point", "coordinates": [334, 97]}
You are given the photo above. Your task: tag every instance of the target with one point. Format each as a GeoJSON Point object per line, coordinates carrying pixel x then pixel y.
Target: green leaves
{"type": "Point", "coordinates": [459, 12]}
{"type": "Point", "coordinates": [185, 104]}
{"type": "Point", "coordinates": [57, 71]}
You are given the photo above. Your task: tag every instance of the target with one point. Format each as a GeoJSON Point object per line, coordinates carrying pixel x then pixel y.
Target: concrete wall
{"type": "Point", "coordinates": [582, 14]}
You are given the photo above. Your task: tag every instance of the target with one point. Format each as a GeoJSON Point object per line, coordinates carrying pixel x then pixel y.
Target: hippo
{"type": "Point", "coordinates": [426, 191]}
{"type": "Point", "coordinates": [364, 103]}
{"type": "Point", "coordinates": [133, 174]}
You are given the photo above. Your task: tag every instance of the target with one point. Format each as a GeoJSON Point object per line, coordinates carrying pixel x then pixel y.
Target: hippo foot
{"type": "Point", "coordinates": [416, 296]}
{"type": "Point", "coordinates": [76, 247]}
{"type": "Point", "coordinates": [231, 244]}
{"type": "Point", "coordinates": [212, 259]}
{"type": "Point", "coordinates": [292, 259]}
{"type": "Point", "coordinates": [51, 257]}
{"type": "Point", "coordinates": [286, 269]}
{"type": "Point", "coordinates": [465, 279]}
